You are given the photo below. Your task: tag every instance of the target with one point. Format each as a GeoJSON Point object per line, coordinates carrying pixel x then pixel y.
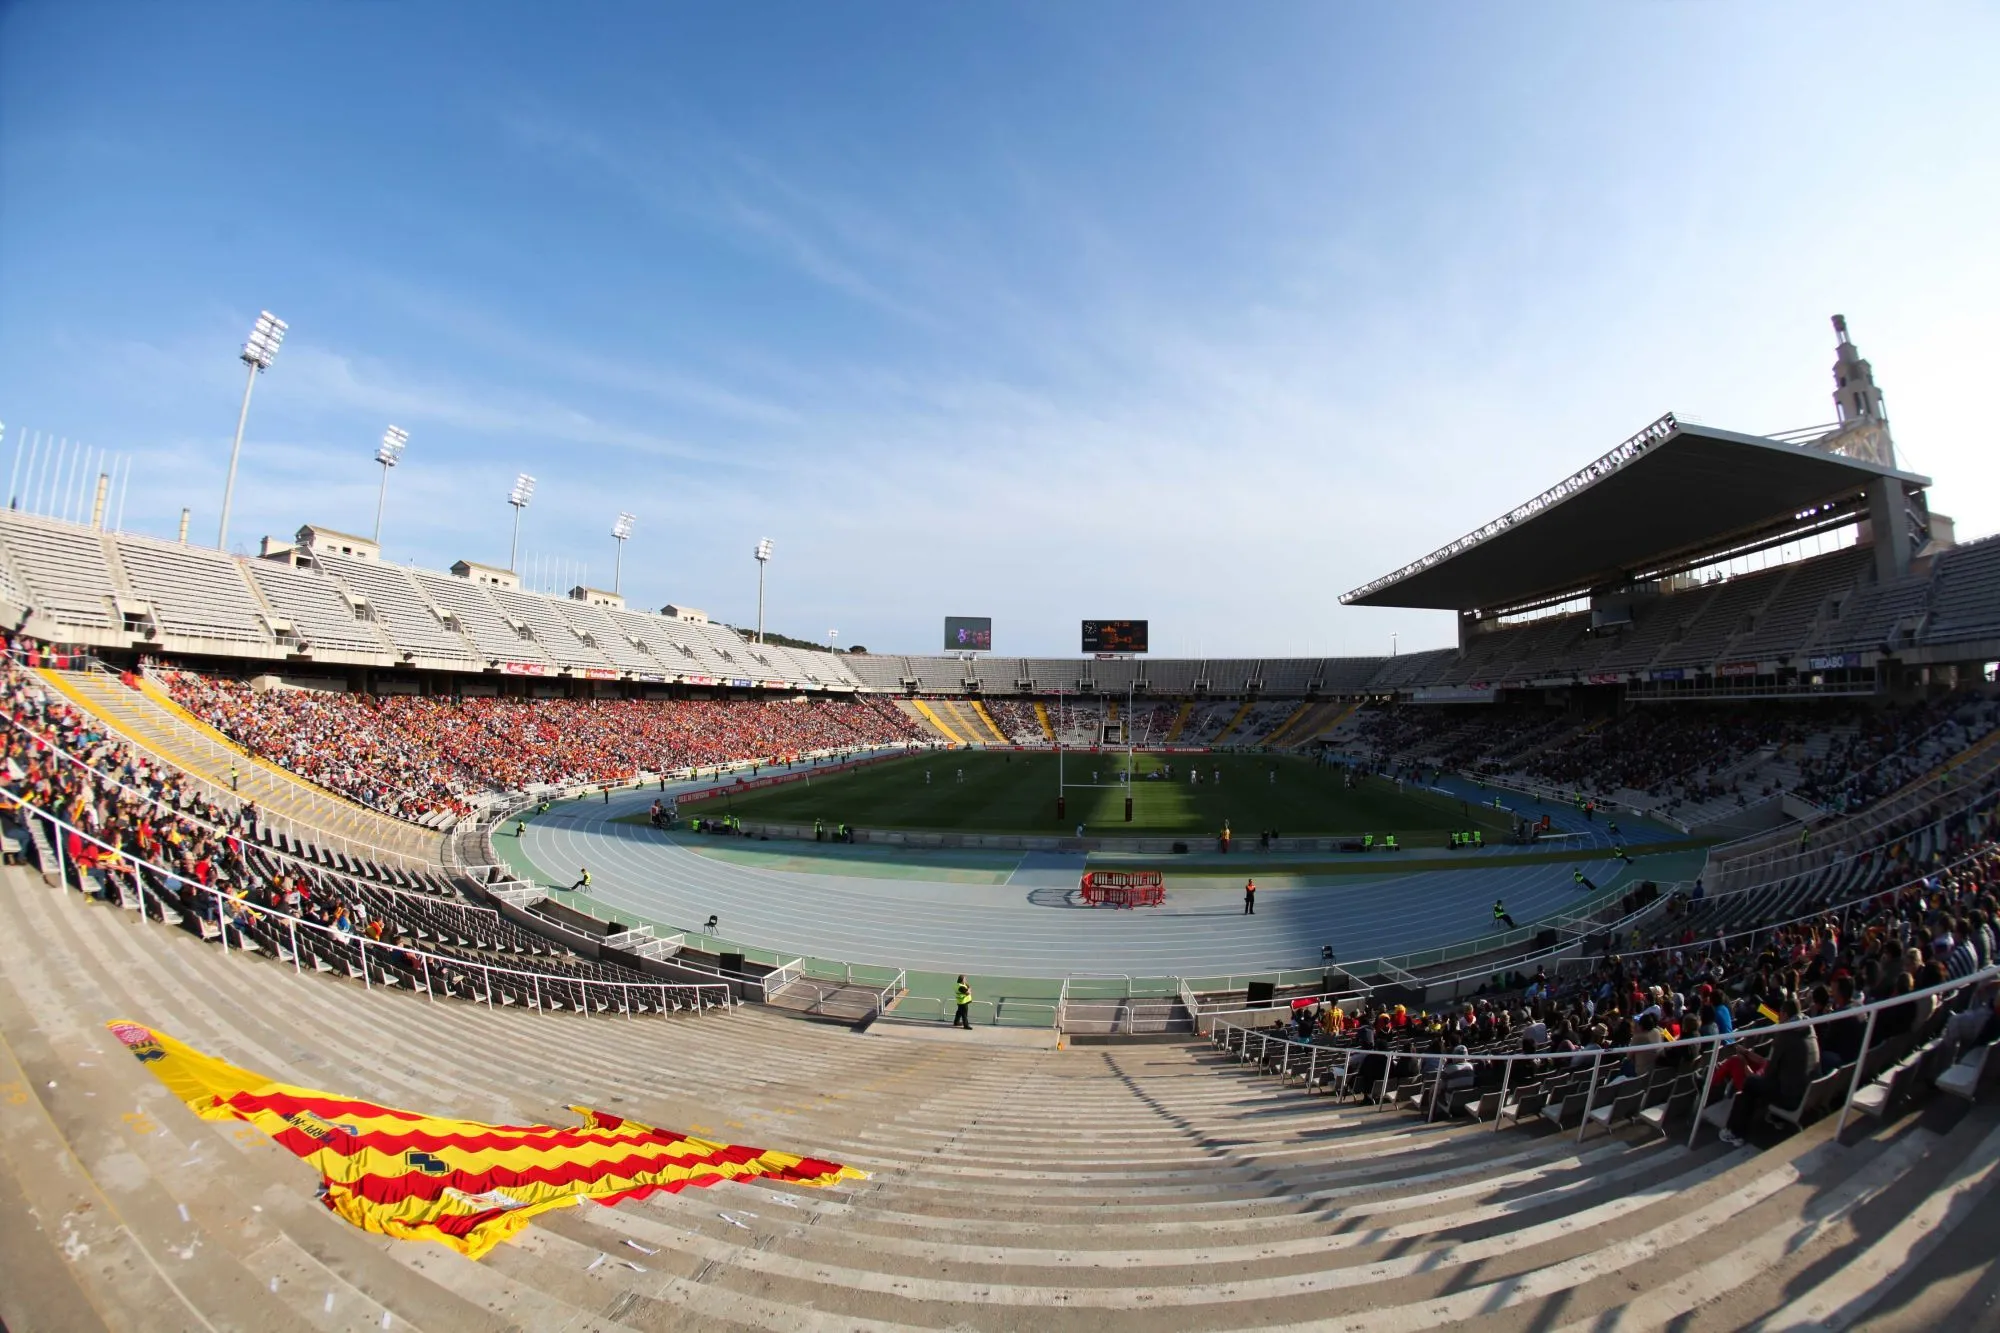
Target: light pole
{"type": "Point", "coordinates": [258, 353]}
{"type": "Point", "coordinates": [524, 491]}
{"type": "Point", "coordinates": [620, 530]}
{"type": "Point", "coordinates": [393, 441]}
{"type": "Point", "coordinates": [832, 638]}
{"type": "Point", "coordinates": [763, 559]}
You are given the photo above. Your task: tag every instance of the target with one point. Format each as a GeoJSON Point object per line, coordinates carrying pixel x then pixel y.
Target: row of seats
{"type": "Point", "coordinates": [344, 608]}
{"type": "Point", "coordinates": [1578, 1092]}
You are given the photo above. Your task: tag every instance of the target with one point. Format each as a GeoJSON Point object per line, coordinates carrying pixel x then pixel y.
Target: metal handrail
{"type": "Point", "coordinates": [1816, 914]}
{"type": "Point", "coordinates": [706, 995]}
{"type": "Point", "coordinates": [275, 853]}
{"type": "Point", "coordinates": [292, 825]}
{"type": "Point", "coordinates": [1713, 1044]}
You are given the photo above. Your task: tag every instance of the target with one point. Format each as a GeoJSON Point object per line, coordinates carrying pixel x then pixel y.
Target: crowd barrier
{"type": "Point", "coordinates": [118, 875]}
{"type": "Point", "coordinates": [1304, 1059]}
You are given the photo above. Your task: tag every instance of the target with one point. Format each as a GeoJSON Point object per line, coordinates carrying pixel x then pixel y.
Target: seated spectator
{"type": "Point", "coordinates": [1783, 1080]}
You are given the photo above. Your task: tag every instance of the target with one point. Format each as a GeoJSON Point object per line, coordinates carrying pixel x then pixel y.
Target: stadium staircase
{"type": "Point", "coordinates": [1234, 722]}
{"type": "Point", "coordinates": [1276, 736]}
{"type": "Point", "coordinates": [1181, 715]}
{"type": "Point", "coordinates": [1048, 728]}
{"type": "Point", "coordinates": [928, 716]}
{"type": "Point", "coordinates": [987, 725]}
{"type": "Point", "coordinates": [1312, 720]}
{"type": "Point", "coordinates": [151, 720]}
{"type": "Point", "coordinates": [1100, 1190]}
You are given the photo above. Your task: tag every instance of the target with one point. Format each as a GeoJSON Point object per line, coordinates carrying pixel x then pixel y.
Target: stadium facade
{"type": "Point", "coordinates": [1618, 576]}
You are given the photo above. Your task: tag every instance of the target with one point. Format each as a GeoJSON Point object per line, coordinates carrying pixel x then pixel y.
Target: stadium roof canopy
{"type": "Point", "coordinates": [1658, 503]}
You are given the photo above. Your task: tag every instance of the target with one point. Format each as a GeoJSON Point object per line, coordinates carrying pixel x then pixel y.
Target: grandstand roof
{"type": "Point", "coordinates": [1668, 496]}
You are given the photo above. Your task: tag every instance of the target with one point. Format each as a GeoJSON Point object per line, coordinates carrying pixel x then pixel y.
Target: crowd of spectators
{"type": "Point", "coordinates": [415, 755]}
{"type": "Point", "coordinates": [1929, 920]}
{"type": "Point", "coordinates": [1017, 720]}
{"type": "Point", "coordinates": [1671, 754]}
{"type": "Point", "coordinates": [142, 834]}
{"type": "Point", "coordinates": [1686, 754]}
{"type": "Point", "coordinates": [1892, 748]}
{"type": "Point", "coordinates": [134, 810]}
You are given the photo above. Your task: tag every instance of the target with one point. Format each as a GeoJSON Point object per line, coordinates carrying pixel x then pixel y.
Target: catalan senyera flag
{"type": "Point", "coordinates": [460, 1182]}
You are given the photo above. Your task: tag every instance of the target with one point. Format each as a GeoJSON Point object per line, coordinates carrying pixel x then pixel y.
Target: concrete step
{"type": "Point", "coordinates": [1107, 1189]}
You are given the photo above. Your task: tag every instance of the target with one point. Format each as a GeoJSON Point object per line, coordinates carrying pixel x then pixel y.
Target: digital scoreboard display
{"type": "Point", "coordinates": [1114, 636]}
{"type": "Point", "coordinates": [968, 634]}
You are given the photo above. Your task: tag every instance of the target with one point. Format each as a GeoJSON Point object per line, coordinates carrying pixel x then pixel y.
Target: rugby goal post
{"type": "Point", "coordinates": [1123, 888]}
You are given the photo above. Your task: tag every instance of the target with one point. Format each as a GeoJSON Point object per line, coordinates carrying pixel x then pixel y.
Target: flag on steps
{"type": "Point", "coordinates": [460, 1182]}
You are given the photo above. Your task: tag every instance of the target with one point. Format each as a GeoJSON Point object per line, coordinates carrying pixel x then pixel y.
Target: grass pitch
{"type": "Point", "coordinates": [1016, 793]}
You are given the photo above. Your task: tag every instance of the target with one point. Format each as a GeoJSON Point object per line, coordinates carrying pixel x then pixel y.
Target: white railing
{"type": "Point", "coordinates": [229, 912]}
{"type": "Point", "coordinates": [781, 976]}
{"type": "Point", "coordinates": [1820, 913]}
{"type": "Point", "coordinates": [293, 827]}
{"type": "Point", "coordinates": [315, 868]}
{"type": "Point", "coordinates": [1293, 1055]}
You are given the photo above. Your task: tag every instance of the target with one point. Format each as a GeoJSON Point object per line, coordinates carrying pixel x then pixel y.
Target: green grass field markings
{"type": "Point", "coordinates": [1015, 794]}
{"type": "Point", "coordinates": [975, 866]}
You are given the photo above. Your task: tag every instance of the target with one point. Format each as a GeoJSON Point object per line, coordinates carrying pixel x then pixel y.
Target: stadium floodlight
{"type": "Point", "coordinates": [524, 491]}
{"type": "Point", "coordinates": [259, 351]}
{"type": "Point", "coordinates": [394, 440]}
{"type": "Point", "coordinates": [620, 530]}
{"type": "Point", "coordinates": [763, 554]}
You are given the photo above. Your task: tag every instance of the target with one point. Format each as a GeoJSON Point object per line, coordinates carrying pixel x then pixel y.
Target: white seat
{"type": "Point", "coordinates": [1962, 1079]}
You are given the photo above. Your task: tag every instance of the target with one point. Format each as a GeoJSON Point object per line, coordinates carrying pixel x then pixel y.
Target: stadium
{"type": "Point", "coordinates": [1717, 751]}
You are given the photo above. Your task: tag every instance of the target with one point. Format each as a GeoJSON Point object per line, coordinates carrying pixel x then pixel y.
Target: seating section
{"type": "Point", "coordinates": [1869, 620]}
{"type": "Point", "coordinates": [480, 618]}
{"type": "Point", "coordinates": [74, 579]}
{"type": "Point", "coordinates": [1721, 618]}
{"type": "Point", "coordinates": [876, 671]}
{"type": "Point", "coordinates": [193, 591]}
{"type": "Point", "coordinates": [1801, 603]}
{"type": "Point", "coordinates": [401, 608]}
{"type": "Point", "coordinates": [1966, 600]}
{"type": "Point", "coordinates": [62, 569]}
{"type": "Point", "coordinates": [562, 639]}
{"type": "Point", "coordinates": [1073, 1196]}
{"type": "Point", "coordinates": [320, 613]}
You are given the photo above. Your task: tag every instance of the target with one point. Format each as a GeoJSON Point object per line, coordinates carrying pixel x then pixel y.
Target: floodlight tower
{"type": "Point", "coordinates": [393, 441]}
{"type": "Point", "coordinates": [259, 351]}
{"type": "Point", "coordinates": [524, 491]}
{"type": "Point", "coordinates": [620, 530]}
{"type": "Point", "coordinates": [763, 554]}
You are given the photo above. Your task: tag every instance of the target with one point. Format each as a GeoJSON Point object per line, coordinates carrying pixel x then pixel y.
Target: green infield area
{"type": "Point", "coordinates": [1016, 793]}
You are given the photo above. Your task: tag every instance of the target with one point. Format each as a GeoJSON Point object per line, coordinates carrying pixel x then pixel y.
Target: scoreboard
{"type": "Point", "coordinates": [1114, 636]}
{"type": "Point", "coordinates": [968, 634]}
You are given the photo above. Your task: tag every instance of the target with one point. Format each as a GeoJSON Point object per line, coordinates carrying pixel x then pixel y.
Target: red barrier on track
{"type": "Point", "coordinates": [1123, 888]}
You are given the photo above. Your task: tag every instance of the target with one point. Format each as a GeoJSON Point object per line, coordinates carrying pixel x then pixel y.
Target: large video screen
{"type": "Point", "coordinates": [1114, 636]}
{"type": "Point", "coordinates": [968, 634]}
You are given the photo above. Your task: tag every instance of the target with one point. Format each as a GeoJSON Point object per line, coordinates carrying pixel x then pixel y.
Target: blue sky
{"type": "Point", "coordinates": [1196, 313]}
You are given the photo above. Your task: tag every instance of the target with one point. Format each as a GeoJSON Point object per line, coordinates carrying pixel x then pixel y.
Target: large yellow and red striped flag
{"type": "Point", "coordinates": [467, 1184]}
